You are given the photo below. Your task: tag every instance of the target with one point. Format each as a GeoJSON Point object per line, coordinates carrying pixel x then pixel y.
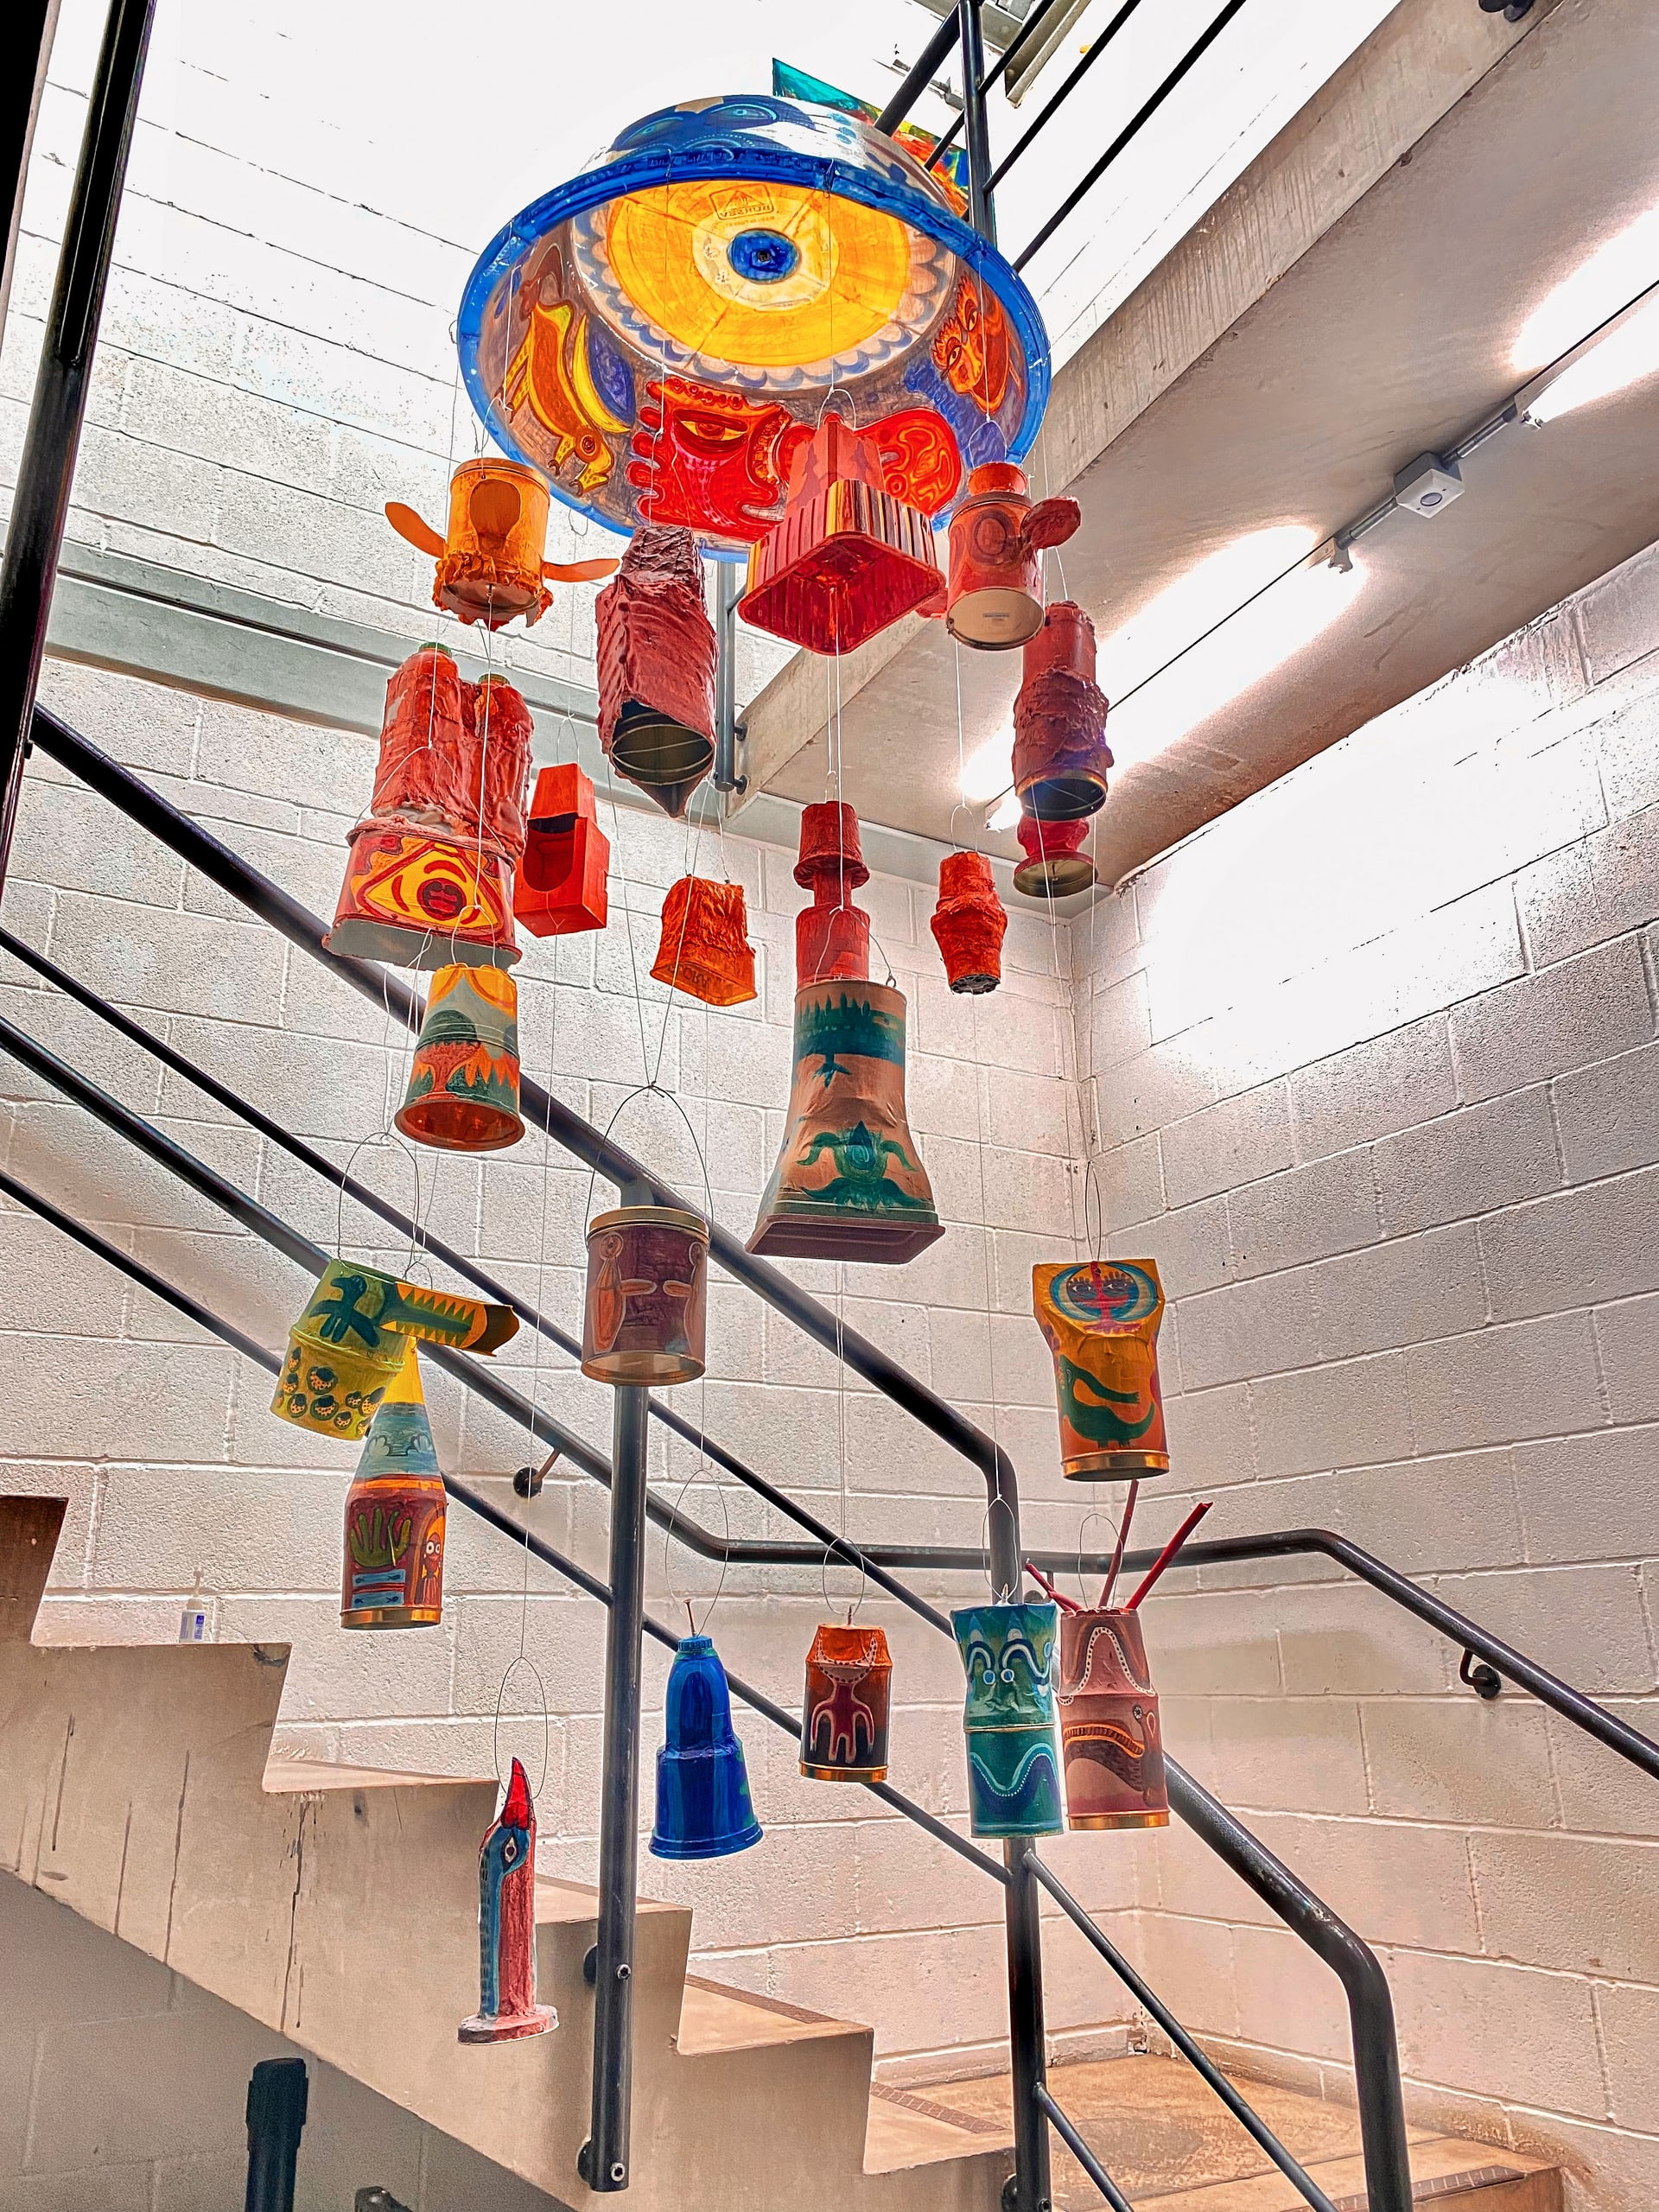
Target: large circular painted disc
{"type": "Point", "coordinates": [659, 335]}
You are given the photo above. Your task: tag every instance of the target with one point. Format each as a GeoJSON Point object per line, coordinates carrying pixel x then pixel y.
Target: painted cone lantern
{"type": "Point", "coordinates": [656, 648]}
{"type": "Point", "coordinates": [1060, 752]}
{"type": "Point", "coordinates": [997, 536]}
{"type": "Point", "coordinates": [506, 1926]}
{"type": "Point", "coordinates": [1099, 1318]}
{"type": "Point", "coordinates": [463, 1082]}
{"type": "Point", "coordinates": [643, 1320]}
{"type": "Point", "coordinates": [1007, 1654]}
{"type": "Point", "coordinates": [968, 922]}
{"type": "Point", "coordinates": [704, 1807]}
{"type": "Point", "coordinates": [561, 885]}
{"type": "Point", "coordinates": [844, 1719]}
{"type": "Point", "coordinates": [705, 949]}
{"type": "Point", "coordinates": [1055, 866]}
{"type": "Point", "coordinates": [392, 1575]}
{"type": "Point", "coordinates": [1110, 1745]}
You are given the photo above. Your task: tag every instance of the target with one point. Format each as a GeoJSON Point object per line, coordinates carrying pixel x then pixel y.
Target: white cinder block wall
{"type": "Point", "coordinates": [1375, 1075]}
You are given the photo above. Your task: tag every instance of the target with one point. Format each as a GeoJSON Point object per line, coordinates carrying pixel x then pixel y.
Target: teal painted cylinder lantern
{"type": "Point", "coordinates": [703, 1809]}
{"type": "Point", "coordinates": [1014, 1779]}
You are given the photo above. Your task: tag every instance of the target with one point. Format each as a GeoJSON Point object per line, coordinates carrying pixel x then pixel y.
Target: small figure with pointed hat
{"type": "Point", "coordinates": [506, 1926]}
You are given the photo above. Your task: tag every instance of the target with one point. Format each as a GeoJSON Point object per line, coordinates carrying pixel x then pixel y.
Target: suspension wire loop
{"type": "Point", "coordinates": [511, 1669]}
{"type": "Point", "coordinates": [1095, 1513]}
{"type": "Point", "coordinates": [391, 1141]}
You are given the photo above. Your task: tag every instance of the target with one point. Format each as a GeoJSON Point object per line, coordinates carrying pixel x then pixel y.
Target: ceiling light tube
{"type": "Point", "coordinates": [1623, 352]}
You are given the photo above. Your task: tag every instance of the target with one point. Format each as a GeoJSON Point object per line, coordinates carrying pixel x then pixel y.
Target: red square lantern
{"type": "Point", "coordinates": [560, 885]}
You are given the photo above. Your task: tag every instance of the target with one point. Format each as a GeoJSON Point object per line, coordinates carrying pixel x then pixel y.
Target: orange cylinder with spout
{"type": "Point", "coordinates": [994, 595]}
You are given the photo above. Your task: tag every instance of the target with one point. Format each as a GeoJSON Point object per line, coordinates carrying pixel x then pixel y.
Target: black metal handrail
{"type": "Point", "coordinates": [1067, 2132]}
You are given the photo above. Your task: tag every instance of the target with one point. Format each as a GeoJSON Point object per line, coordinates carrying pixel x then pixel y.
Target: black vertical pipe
{"type": "Point", "coordinates": [277, 2101]}
{"type": "Point", "coordinates": [41, 499]}
{"type": "Point", "coordinates": [919, 78]}
{"type": "Point", "coordinates": [728, 590]}
{"type": "Point", "coordinates": [603, 2164]}
{"type": "Point", "coordinates": [976, 138]}
{"type": "Point", "coordinates": [22, 85]}
{"type": "Point", "coordinates": [1026, 2051]}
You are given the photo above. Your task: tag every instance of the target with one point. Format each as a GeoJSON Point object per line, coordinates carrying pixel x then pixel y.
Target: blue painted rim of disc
{"type": "Point", "coordinates": [755, 163]}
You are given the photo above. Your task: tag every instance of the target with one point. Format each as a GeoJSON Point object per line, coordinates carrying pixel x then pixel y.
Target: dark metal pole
{"type": "Point", "coordinates": [603, 2164]}
{"type": "Point", "coordinates": [277, 2101]}
{"type": "Point", "coordinates": [728, 590]}
{"type": "Point", "coordinates": [981, 213]}
{"type": "Point", "coordinates": [1028, 2190]}
{"type": "Point", "coordinates": [21, 84]}
{"type": "Point", "coordinates": [920, 77]}
{"type": "Point", "coordinates": [41, 499]}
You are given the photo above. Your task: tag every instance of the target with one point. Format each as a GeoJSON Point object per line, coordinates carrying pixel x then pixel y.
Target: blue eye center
{"type": "Point", "coordinates": [764, 256]}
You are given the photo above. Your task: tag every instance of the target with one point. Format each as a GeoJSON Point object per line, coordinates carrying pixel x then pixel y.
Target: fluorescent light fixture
{"type": "Point", "coordinates": [1599, 288]}
{"type": "Point", "coordinates": [1628, 353]}
{"type": "Point", "coordinates": [990, 769]}
{"type": "Point", "coordinates": [1206, 594]}
{"type": "Point", "coordinates": [1005, 813]}
{"type": "Point", "coordinates": [1231, 656]}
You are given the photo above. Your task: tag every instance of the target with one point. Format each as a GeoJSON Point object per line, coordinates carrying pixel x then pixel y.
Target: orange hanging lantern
{"type": "Point", "coordinates": [1060, 752]}
{"type": "Point", "coordinates": [832, 936]}
{"type": "Point", "coordinates": [463, 1082]}
{"type": "Point", "coordinates": [656, 652]}
{"type": "Point", "coordinates": [561, 886]}
{"type": "Point", "coordinates": [490, 564]}
{"type": "Point", "coordinates": [847, 559]}
{"type": "Point", "coordinates": [705, 949]}
{"type": "Point", "coordinates": [997, 537]}
{"type": "Point", "coordinates": [1055, 866]}
{"type": "Point", "coordinates": [970, 923]}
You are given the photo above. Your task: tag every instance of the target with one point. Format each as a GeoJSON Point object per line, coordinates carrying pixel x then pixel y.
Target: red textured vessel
{"type": "Point", "coordinates": [832, 936]}
{"type": "Point", "coordinates": [847, 559]}
{"type": "Point", "coordinates": [562, 883]}
{"type": "Point", "coordinates": [997, 537]}
{"type": "Point", "coordinates": [705, 949]}
{"type": "Point", "coordinates": [1060, 752]}
{"type": "Point", "coordinates": [969, 924]}
{"type": "Point", "coordinates": [1055, 866]}
{"type": "Point", "coordinates": [656, 669]}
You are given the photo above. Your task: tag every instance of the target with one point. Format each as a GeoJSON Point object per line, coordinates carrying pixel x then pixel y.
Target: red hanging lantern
{"type": "Point", "coordinates": [997, 537]}
{"type": "Point", "coordinates": [705, 949]}
{"type": "Point", "coordinates": [970, 923]}
{"type": "Point", "coordinates": [1055, 866]}
{"type": "Point", "coordinates": [655, 652]}
{"type": "Point", "coordinates": [846, 559]}
{"type": "Point", "coordinates": [562, 883]}
{"type": "Point", "coordinates": [1060, 752]}
{"type": "Point", "coordinates": [832, 936]}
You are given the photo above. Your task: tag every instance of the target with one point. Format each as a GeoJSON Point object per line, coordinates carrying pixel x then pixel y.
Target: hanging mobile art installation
{"type": "Point", "coordinates": [392, 1575]}
{"type": "Point", "coordinates": [994, 597]}
{"type": "Point", "coordinates": [844, 1718]}
{"type": "Point", "coordinates": [1061, 753]}
{"type": "Point", "coordinates": [704, 950]}
{"type": "Point", "coordinates": [1055, 866]}
{"type": "Point", "coordinates": [657, 653]}
{"type": "Point", "coordinates": [463, 1082]}
{"type": "Point", "coordinates": [1110, 1742]}
{"type": "Point", "coordinates": [643, 1319]}
{"type": "Point", "coordinates": [561, 885]}
{"type": "Point", "coordinates": [490, 564]}
{"type": "Point", "coordinates": [347, 1349]}
{"type": "Point", "coordinates": [1099, 1318]}
{"type": "Point", "coordinates": [1007, 1654]}
{"type": "Point", "coordinates": [506, 1926]}
{"type": "Point", "coordinates": [970, 923]}
{"type": "Point", "coordinates": [704, 1807]}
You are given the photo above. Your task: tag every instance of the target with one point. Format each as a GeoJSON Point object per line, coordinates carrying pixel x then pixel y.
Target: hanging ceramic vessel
{"type": "Point", "coordinates": [393, 1571]}
{"type": "Point", "coordinates": [1099, 1318]}
{"type": "Point", "coordinates": [705, 949]}
{"type": "Point", "coordinates": [848, 1183]}
{"type": "Point", "coordinates": [347, 1349]}
{"type": "Point", "coordinates": [562, 884]}
{"type": "Point", "coordinates": [643, 1320]}
{"type": "Point", "coordinates": [656, 651]}
{"type": "Point", "coordinates": [429, 881]}
{"type": "Point", "coordinates": [490, 563]}
{"type": "Point", "coordinates": [506, 1926]}
{"type": "Point", "coordinates": [1060, 752]}
{"type": "Point", "coordinates": [969, 924]}
{"type": "Point", "coordinates": [1007, 1654]}
{"type": "Point", "coordinates": [844, 1718]}
{"type": "Point", "coordinates": [463, 1082]}
{"type": "Point", "coordinates": [847, 559]}
{"type": "Point", "coordinates": [1055, 866]}
{"type": "Point", "coordinates": [703, 1809]}
{"type": "Point", "coordinates": [994, 598]}
{"type": "Point", "coordinates": [1111, 1746]}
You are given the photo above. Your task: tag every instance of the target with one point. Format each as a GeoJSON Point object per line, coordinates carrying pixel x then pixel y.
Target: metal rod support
{"type": "Point", "coordinates": [22, 85]}
{"type": "Point", "coordinates": [980, 212]}
{"type": "Point", "coordinates": [1096, 48]}
{"type": "Point", "coordinates": [1080, 2151]}
{"type": "Point", "coordinates": [1027, 2036]}
{"type": "Point", "coordinates": [920, 76]}
{"type": "Point", "coordinates": [728, 590]}
{"type": "Point", "coordinates": [40, 501]}
{"type": "Point", "coordinates": [277, 2095]}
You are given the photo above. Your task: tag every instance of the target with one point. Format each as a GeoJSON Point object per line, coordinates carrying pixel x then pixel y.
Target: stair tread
{"type": "Point", "coordinates": [285, 1775]}
{"type": "Point", "coordinates": [715, 2017]}
{"type": "Point", "coordinates": [906, 2129]}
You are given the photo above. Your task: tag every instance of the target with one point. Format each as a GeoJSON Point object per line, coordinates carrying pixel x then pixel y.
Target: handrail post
{"type": "Point", "coordinates": [277, 2095]}
{"type": "Point", "coordinates": [975, 137]}
{"type": "Point", "coordinates": [603, 2162]}
{"type": "Point", "coordinates": [1028, 2190]}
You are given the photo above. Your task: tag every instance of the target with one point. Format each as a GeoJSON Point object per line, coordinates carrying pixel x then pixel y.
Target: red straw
{"type": "Point", "coordinates": [1166, 1557]}
{"type": "Point", "coordinates": [1069, 1605]}
{"type": "Point", "coordinates": [1110, 1582]}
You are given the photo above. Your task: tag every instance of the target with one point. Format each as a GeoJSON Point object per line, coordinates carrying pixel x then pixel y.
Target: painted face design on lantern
{"type": "Point", "coordinates": [612, 1289]}
{"type": "Point", "coordinates": [708, 460]}
{"type": "Point", "coordinates": [972, 347]}
{"type": "Point", "coordinates": [920, 463]}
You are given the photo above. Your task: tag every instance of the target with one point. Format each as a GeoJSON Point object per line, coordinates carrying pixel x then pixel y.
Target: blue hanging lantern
{"type": "Point", "coordinates": [703, 1809]}
{"type": "Point", "coordinates": [1014, 1776]}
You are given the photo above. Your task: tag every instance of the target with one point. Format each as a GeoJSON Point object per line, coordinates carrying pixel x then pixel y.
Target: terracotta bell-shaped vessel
{"type": "Point", "coordinates": [1055, 866]}
{"type": "Point", "coordinates": [1061, 753]}
{"type": "Point", "coordinates": [1007, 1654]}
{"type": "Point", "coordinates": [846, 559]}
{"type": "Point", "coordinates": [563, 882]}
{"type": "Point", "coordinates": [657, 668]}
{"type": "Point", "coordinates": [994, 596]}
{"type": "Point", "coordinates": [392, 1575]}
{"type": "Point", "coordinates": [1111, 1750]}
{"type": "Point", "coordinates": [463, 1082]}
{"type": "Point", "coordinates": [644, 1316]}
{"type": "Point", "coordinates": [970, 923]}
{"type": "Point", "coordinates": [705, 949]}
{"type": "Point", "coordinates": [506, 1925]}
{"type": "Point", "coordinates": [490, 564]}
{"type": "Point", "coordinates": [704, 1807]}
{"type": "Point", "coordinates": [848, 1183]}
{"type": "Point", "coordinates": [845, 1716]}
{"type": "Point", "coordinates": [1099, 1318]}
